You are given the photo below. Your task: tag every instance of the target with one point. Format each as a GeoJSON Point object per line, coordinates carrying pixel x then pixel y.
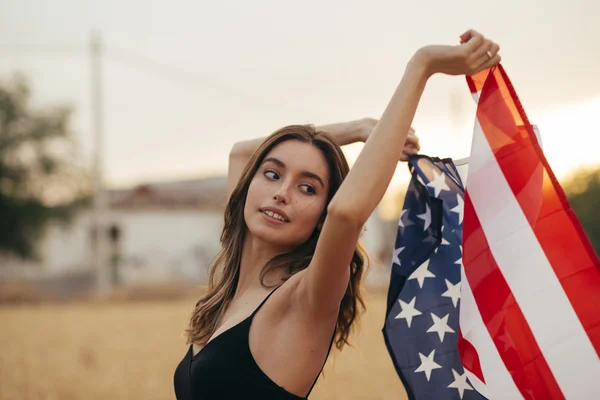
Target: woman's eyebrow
{"type": "Point", "coordinates": [274, 161]}
{"type": "Point", "coordinates": [303, 173]}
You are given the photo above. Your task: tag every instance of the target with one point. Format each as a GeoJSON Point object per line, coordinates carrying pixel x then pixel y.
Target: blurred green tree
{"type": "Point", "coordinates": [40, 180]}
{"type": "Point", "coordinates": [583, 191]}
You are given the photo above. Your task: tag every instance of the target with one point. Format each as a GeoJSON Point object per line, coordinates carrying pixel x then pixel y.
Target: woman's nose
{"type": "Point", "coordinates": [282, 194]}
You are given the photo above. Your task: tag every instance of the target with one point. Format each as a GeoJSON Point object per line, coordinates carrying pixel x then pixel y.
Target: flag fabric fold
{"type": "Point", "coordinates": [421, 329]}
{"type": "Point", "coordinates": [495, 288]}
{"type": "Point", "coordinates": [531, 281]}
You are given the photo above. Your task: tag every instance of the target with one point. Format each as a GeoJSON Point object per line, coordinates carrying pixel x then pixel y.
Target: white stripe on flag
{"type": "Point", "coordinates": [497, 378]}
{"type": "Point", "coordinates": [478, 385]}
{"type": "Point", "coordinates": [558, 332]}
{"type": "Point", "coordinates": [462, 164]}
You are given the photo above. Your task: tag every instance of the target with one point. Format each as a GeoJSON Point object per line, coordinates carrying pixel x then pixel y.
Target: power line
{"type": "Point", "coordinates": [164, 70]}
{"type": "Point", "coordinates": [190, 80]}
{"type": "Point", "coordinates": [183, 77]}
{"type": "Point", "coordinates": [34, 49]}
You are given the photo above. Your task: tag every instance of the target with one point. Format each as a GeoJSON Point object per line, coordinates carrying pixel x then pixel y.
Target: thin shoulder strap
{"type": "Point", "coordinates": [263, 302]}
{"type": "Point", "coordinates": [324, 362]}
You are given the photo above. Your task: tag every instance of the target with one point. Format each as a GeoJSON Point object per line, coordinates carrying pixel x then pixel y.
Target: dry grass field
{"type": "Point", "coordinates": [129, 350]}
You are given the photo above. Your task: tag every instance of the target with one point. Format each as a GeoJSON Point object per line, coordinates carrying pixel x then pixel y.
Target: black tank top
{"type": "Point", "coordinates": [226, 369]}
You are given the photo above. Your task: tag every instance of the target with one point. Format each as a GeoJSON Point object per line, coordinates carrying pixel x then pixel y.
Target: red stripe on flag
{"type": "Point", "coordinates": [476, 81]}
{"type": "Point", "coordinates": [469, 357]}
{"type": "Point", "coordinates": [550, 216]}
{"type": "Point", "coordinates": [502, 315]}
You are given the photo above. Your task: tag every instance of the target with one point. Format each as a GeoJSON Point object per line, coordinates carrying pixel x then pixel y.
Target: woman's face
{"type": "Point", "coordinates": [288, 194]}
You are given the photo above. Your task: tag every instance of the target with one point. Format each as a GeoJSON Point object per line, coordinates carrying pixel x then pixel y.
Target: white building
{"type": "Point", "coordinates": [167, 231]}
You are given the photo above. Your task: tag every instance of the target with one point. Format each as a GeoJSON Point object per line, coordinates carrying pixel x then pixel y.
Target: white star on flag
{"type": "Point", "coordinates": [440, 326]}
{"type": "Point", "coordinates": [507, 343]}
{"type": "Point", "coordinates": [400, 223]}
{"type": "Point", "coordinates": [427, 364]}
{"type": "Point", "coordinates": [396, 254]}
{"type": "Point", "coordinates": [421, 273]}
{"type": "Point", "coordinates": [408, 311]}
{"type": "Point", "coordinates": [460, 383]}
{"type": "Point", "coordinates": [453, 292]}
{"type": "Point", "coordinates": [426, 217]}
{"type": "Point", "coordinates": [438, 183]}
{"type": "Point", "coordinates": [408, 222]}
{"type": "Point", "coordinates": [444, 242]}
{"type": "Point", "coordinates": [459, 209]}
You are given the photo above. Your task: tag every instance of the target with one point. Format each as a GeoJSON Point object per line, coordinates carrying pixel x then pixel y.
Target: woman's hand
{"type": "Point", "coordinates": [474, 54]}
{"type": "Point", "coordinates": [411, 146]}
{"type": "Point", "coordinates": [364, 127]}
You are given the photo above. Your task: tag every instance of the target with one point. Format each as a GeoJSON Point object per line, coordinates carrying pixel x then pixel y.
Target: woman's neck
{"type": "Point", "coordinates": [255, 255]}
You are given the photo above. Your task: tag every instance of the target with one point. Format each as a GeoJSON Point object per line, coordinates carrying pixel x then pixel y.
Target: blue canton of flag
{"type": "Point", "coordinates": [421, 326]}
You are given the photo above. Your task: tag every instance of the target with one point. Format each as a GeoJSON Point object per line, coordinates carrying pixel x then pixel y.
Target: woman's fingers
{"type": "Point", "coordinates": [412, 141]}
{"type": "Point", "coordinates": [490, 63]}
{"type": "Point", "coordinates": [474, 43]}
{"type": "Point", "coordinates": [407, 152]}
{"type": "Point", "coordinates": [482, 50]}
{"type": "Point", "coordinates": [481, 53]}
{"type": "Point", "coordinates": [412, 146]}
{"type": "Point", "coordinates": [483, 57]}
{"type": "Point", "coordinates": [495, 49]}
{"type": "Point", "coordinates": [465, 37]}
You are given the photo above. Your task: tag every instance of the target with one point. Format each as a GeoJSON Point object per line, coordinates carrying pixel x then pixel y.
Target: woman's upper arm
{"type": "Point", "coordinates": [326, 278]}
{"type": "Point", "coordinates": [237, 163]}
{"type": "Point", "coordinates": [240, 154]}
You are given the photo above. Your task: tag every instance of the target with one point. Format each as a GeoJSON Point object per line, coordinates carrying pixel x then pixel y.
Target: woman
{"type": "Point", "coordinates": [290, 267]}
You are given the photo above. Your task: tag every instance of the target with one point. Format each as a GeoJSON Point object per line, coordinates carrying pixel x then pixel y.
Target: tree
{"type": "Point", "coordinates": [583, 192]}
{"type": "Point", "coordinates": [40, 180]}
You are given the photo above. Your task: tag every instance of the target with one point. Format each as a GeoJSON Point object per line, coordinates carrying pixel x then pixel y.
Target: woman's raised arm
{"type": "Point", "coordinates": [342, 133]}
{"type": "Point", "coordinates": [326, 279]}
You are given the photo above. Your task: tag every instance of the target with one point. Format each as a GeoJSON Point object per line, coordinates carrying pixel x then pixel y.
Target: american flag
{"type": "Point", "coordinates": [421, 329]}
{"type": "Point", "coordinates": [528, 326]}
{"type": "Point", "coordinates": [531, 280]}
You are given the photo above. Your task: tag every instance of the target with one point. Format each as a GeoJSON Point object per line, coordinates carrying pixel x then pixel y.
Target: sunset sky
{"type": "Point", "coordinates": [183, 81]}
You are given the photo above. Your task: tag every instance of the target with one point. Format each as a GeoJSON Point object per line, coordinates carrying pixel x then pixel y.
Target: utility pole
{"type": "Point", "coordinates": [99, 216]}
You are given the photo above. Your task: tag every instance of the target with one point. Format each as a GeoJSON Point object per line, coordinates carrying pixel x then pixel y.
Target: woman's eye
{"type": "Point", "coordinates": [271, 174]}
{"type": "Point", "coordinates": [308, 189]}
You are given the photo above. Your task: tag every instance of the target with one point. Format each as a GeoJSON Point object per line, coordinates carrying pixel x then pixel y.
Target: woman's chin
{"type": "Point", "coordinates": [266, 233]}
{"type": "Point", "coordinates": [274, 237]}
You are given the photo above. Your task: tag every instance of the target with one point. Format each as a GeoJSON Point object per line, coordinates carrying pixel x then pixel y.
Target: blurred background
{"type": "Point", "coordinates": [116, 120]}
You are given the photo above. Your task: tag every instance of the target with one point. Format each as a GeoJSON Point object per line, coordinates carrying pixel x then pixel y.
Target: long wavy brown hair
{"type": "Point", "coordinates": [225, 267]}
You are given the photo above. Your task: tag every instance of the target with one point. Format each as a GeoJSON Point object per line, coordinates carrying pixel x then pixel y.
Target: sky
{"type": "Point", "coordinates": [184, 80]}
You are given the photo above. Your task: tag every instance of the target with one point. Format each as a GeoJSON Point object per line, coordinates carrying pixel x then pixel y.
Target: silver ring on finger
{"type": "Point", "coordinates": [489, 53]}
